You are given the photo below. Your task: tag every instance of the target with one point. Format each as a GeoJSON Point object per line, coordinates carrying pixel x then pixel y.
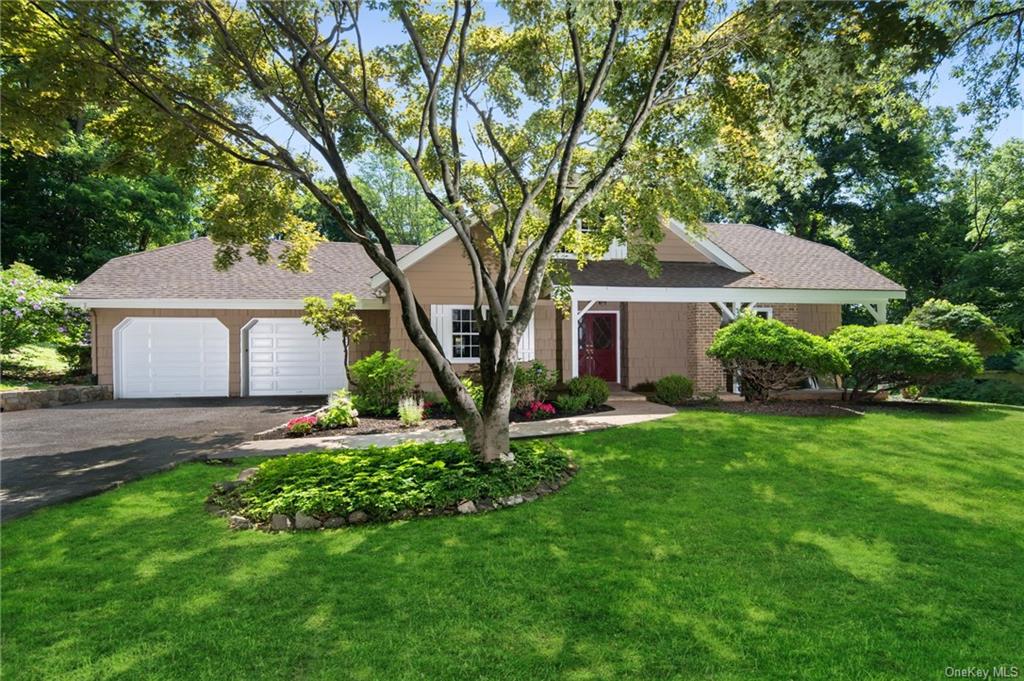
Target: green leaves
{"type": "Point", "coordinates": [414, 476]}
{"type": "Point", "coordinates": [902, 355]}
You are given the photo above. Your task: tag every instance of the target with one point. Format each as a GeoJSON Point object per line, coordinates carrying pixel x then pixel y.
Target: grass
{"type": "Point", "coordinates": [705, 545]}
{"type": "Point", "coordinates": [32, 367]}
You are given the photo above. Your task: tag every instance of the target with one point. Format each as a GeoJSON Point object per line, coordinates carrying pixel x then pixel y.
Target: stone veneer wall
{"type": "Point", "coordinates": [19, 400]}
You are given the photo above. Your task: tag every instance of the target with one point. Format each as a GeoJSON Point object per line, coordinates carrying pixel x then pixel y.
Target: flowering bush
{"type": "Point", "coordinates": [340, 412]}
{"type": "Point", "coordinates": [537, 408]}
{"type": "Point", "coordinates": [302, 425]}
{"type": "Point", "coordinates": [31, 311]}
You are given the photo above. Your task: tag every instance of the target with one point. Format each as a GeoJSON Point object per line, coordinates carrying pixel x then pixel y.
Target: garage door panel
{"type": "Point", "coordinates": [286, 358]}
{"type": "Point", "coordinates": [171, 357]}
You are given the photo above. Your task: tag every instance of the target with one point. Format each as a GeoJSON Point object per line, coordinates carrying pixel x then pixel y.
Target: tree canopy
{"type": "Point", "coordinates": [515, 128]}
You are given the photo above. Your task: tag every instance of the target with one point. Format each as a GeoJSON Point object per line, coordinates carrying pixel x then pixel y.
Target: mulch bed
{"type": "Point", "coordinates": [828, 408]}
{"type": "Point", "coordinates": [371, 425]}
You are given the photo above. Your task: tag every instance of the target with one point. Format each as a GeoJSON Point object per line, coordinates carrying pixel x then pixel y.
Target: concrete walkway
{"type": "Point", "coordinates": [627, 409]}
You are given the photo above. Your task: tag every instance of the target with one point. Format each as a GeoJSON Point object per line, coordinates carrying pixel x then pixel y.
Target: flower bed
{"type": "Point", "coordinates": [332, 489]}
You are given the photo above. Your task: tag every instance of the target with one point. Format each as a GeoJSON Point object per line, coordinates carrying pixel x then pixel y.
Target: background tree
{"type": "Point", "coordinates": [514, 130]}
{"type": "Point", "coordinates": [71, 210]}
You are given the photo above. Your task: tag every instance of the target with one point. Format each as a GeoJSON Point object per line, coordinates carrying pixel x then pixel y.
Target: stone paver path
{"type": "Point", "coordinates": [627, 410]}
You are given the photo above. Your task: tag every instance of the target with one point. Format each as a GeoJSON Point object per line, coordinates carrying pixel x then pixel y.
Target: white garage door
{"type": "Point", "coordinates": [171, 357]}
{"type": "Point", "coordinates": [286, 358]}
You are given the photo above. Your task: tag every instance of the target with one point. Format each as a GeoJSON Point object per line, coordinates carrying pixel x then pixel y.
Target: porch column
{"type": "Point", "coordinates": [574, 336]}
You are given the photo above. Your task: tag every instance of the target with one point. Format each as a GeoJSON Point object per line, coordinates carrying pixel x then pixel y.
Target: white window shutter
{"type": "Point", "coordinates": [525, 351]}
{"type": "Point", "coordinates": [441, 323]}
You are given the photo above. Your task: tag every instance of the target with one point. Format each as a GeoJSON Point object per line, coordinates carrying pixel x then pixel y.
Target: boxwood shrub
{"type": "Point", "coordinates": [595, 389]}
{"type": "Point", "coordinates": [771, 356]}
{"type": "Point", "coordinates": [381, 481]}
{"type": "Point", "coordinates": [673, 389]}
{"type": "Point", "coordinates": [900, 355]}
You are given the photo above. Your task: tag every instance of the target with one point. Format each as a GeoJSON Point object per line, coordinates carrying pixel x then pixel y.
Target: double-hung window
{"type": "Point", "coordinates": [465, 335]}
{"type": "Point", "coordinates": [457, 329]}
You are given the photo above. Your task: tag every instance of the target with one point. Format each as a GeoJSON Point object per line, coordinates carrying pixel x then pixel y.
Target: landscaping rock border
{"type": "Point", "coordinates": [280, 522]}
{"type": "Point", "coordinates": [20, 400]}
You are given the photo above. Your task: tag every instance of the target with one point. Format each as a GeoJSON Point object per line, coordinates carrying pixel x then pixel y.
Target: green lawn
{"type": "Point", "coordinates": [33, 366]}
{"type": "Point", "coordinates": [705, 545]}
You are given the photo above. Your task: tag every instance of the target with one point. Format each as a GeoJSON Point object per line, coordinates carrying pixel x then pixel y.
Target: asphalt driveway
{"type": "Point", "coordinates": [53, 455]}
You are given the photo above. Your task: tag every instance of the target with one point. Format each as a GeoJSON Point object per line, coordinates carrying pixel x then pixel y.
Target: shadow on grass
{"type": "Point", "coordinates": [703, 545]}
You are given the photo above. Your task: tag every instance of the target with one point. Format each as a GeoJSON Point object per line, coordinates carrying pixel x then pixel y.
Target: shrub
{"type": "Point", "coordinates": [770, 356]}
{"type": "Point", "coordinates": [571, 404]}
{"type": "Point", "coordinates": [302, 425]}
{"type": "Point", "coordinates": [1007, 361]}
{"type": "Point", "coordinates": [531, 383]}
{"type": "Point", "coordinates": [379, 381]}
{"type": "Point", "coordinates": [595, 389]}
{"type": "Point", "coordinates": [993, 390]}
{"type": "Point", "coordinates": [410, 411]}
{"type": "Point", "coordinates": [340, 412]}
{"type": "Point", "coordinates": [436, 406]}
{"type": "Point", "coordinates": [673, 389]}
{"type": "Point", "coordinates": [535, 409]}
{"type": "Point", "coordinates": [965, 322]}
{"type": "Point", "coordinates": [32, 311]}
{"type": "Point", "coordinates": [416, 476]}
{"type": "Point", "coordinates": [901, 355]}
{"type": "Point", "coordinates": [476, 392]}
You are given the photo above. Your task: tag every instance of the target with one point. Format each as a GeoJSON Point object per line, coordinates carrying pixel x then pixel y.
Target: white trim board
{"type": "Point", "coordinates": [707, 247]}
{"type": "Point", "coordinates": [209, 303]}
{"type": "Point", "coordinates": [654, 294]}
{"type": "Point", "coordinates": [415, 255]}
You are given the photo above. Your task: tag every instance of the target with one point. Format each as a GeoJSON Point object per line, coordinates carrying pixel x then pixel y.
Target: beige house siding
{"type": "Point", "coordinates": [105, 319]}
{"type": "Point", "coordinates": [819, 319]}
{"type": "Point", "coordinates": [673, 249]}
{"type": "Point", "coordinates": [445, 278]}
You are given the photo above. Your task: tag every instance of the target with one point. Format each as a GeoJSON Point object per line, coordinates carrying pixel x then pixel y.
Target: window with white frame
{"type": "Point", "coordinates": [465, 334]}
{"type": "Point", "coordinates": [457, 329]}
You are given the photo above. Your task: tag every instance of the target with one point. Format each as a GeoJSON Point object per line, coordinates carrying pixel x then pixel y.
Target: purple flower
{"type": "Point", "coordinates": [17, 313]}
{"type": "Point", "coordinates": [37, 306]}
{"type": "Point", "coordinates": [21, 299]}
{"type": "Point", "coordinates": [62, 329]}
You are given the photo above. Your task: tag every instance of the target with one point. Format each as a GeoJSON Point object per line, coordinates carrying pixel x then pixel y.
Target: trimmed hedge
{"type": "Point", "coordinates": [673, 389]}
{"type": "Point", "coordinates": [771, 356]}
{"type": "Point", "coordinates": [381, 481]}
{"type": "Point", "coordinates": [595, 389]}
{"type": "Point", "coordinates": [900, 355]}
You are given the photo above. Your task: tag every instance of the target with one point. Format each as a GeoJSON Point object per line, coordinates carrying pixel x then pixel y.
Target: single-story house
{"type": "Point", "coordinates": [167, 323]}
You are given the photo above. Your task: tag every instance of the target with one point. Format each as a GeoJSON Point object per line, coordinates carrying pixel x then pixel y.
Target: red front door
{"type": "Point", "coordinates": [599, 348]}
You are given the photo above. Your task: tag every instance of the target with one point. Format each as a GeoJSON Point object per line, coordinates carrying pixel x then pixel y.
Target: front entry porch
{"type": "Point", "coordinates": [633, 335]}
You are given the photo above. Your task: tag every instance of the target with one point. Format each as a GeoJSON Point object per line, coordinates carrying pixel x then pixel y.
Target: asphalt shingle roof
{"type": "Point", "coordinates": [776, 260]}
{"type": "Point", "coordinates": [185, 270]}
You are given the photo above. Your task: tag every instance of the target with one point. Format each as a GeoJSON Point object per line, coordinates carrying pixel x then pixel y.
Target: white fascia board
{"type": "Point", "coordinates": [415, 255]}
{"type": "Point", "coordinates": [209, 303]}
{"type": "Point", "coordinates": [652, 294]}
{"type": "Point", "coordinates": [707, 247]}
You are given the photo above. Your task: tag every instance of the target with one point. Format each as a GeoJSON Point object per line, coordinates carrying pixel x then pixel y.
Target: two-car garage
{"type": "Point", "coordinates": [194, 357]}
